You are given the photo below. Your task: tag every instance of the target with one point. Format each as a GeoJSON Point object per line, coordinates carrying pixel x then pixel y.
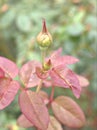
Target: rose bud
{"type": "Point", "coordinates": [44, 38]}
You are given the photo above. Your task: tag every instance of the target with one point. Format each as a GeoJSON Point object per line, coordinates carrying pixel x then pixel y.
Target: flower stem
{"type": "Point", "coordinates": [39, 86]}
{"type": "Point", "coordinates": [52, 94]}
{"type": "Point", "coordinates": [43, 54]}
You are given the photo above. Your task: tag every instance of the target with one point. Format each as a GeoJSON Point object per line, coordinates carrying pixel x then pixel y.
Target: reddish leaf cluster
{"type": "Point", "coordinates": [58, 73]}
{"type": "Point", "coordinates": [35, 105]}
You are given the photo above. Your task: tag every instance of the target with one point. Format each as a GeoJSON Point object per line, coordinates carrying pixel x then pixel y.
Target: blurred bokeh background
{"type": "Point", "coordinates": [73, 25]}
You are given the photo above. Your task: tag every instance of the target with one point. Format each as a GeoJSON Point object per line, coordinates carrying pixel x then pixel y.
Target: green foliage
{"type": "Point", "coordinates": [74, 28]}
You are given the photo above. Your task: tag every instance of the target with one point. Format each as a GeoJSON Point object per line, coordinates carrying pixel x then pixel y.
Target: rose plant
{"type": "Point", "coordinates": [52, 72]}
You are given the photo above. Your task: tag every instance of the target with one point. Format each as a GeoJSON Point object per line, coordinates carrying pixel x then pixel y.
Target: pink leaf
{"type": "Point", "coordinates": [8, 67]}
{"type": "Point", "coordinates": [8, 90]}
{"type": "Point", "coordinates": [2, 74]}
{"type": "Point", "coordinates": [57, 59]}
{"type": "Point", "coordinates": [70, 59]}
{"type": "Point", "coordinates": [4, 83]}
{"type": "Point", "coordinates": [54, 124]}
{"type": "Point", "coordinates": [34, 109]}
{"type": "Point", "coordinates": [83, 81]}
{"type": "Point", "coordinates": [47, 83]}
{"type": "Point", "coordinates": [57, 79]}
{"type": "Point", "coordinates": [65, 60]}
{"type": "Point", "coordinates": [64, 77]}
{"type": "Point", "coordinates": [68, 112]}
{"type": "Point", "coordinates": [44, 96]}
{"type": "Point", "coordinates": [24, 122]}
{"type": "Point", "coordinates": [56, 54]}
{"type": "Point", "coordinates": [28, 74]}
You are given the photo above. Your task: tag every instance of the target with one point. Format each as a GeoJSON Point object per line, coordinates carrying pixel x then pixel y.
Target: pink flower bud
{"type": "Point", "coordinates": [44, 38]}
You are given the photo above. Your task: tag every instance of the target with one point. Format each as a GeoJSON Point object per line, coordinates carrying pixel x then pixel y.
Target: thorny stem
{"type": "Point", "coordinates": [39, 86]}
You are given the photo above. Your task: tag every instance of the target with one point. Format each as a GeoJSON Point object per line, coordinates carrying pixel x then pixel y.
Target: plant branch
{"type": "Point", "coordinates": [43, 54]}
{"type": "Point", "coordinates": [52, 94]}
{"type": "Point", "coordinates": [39, 86]}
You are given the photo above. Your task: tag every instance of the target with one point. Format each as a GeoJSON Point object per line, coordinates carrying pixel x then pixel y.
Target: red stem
{"type": "Point", "coordinates": [52, 94]}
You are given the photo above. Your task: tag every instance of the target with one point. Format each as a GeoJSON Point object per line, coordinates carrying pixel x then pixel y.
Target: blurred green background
{"type": "Point", "coordinates": [73, 25]}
